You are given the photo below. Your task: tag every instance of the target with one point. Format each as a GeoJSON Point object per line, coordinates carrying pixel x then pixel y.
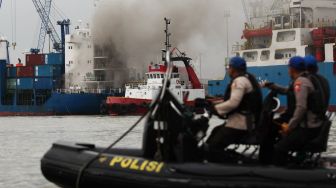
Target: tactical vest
{"type": "Point", "coordinates": [251, 104]}
{"type": "Point", "coordinates": [318, 100]}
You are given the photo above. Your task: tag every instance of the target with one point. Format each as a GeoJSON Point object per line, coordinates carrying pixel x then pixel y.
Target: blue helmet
{"type": "Point", "coordinates": [238, 63]}
{"type": "Point", "coordinates": [311, 62]}
{"type": "Point", "coordinates": [297, 63]}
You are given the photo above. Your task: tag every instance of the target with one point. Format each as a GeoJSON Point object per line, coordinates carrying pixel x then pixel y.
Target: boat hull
{"type": "Point", "coordinates": [59, 104]}
{"type": "Point", "coordinates": [118, 106]}
{"type": "Point", "coordinates": [126, 168]}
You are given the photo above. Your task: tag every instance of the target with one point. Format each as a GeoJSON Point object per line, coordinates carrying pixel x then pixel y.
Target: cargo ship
{"type": "Point", "coordinates": [42, 86]}
{"type": "Point", "coordinates": [291, 28]}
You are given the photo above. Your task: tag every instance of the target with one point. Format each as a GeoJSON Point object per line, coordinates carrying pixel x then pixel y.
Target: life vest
{"type": "Point", "coordinates": [251, 104]}
{"type": "Point", "coordinates": [318, 100]}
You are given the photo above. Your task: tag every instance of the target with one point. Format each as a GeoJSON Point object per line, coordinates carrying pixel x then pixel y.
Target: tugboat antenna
{"type": "Point", "coordinates": [167, 43]}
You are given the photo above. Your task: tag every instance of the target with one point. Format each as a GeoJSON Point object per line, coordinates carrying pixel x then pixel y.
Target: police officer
{"type": "Point", "coordinates": [241, 106]}
{"type": "Point", "coordinates": [303, 126]}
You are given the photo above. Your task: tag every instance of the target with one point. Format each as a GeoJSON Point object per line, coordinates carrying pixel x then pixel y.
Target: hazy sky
{"type": "Point", "coordinates": [28, 24]}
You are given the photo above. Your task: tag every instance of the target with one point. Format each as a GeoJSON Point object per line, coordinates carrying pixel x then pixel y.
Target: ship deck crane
{"type": "Point", "coordinates": [43, 29]}
{"type": "Point", "coordinates": [247, 17]}
{"type": "Point", "coordinates": [44, 11]}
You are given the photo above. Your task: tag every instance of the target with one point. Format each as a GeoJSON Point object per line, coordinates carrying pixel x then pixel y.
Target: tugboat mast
{"type": "Point", "coordinates": [166, 51]}
{"type": "Point", "coordinates": [168, 34]}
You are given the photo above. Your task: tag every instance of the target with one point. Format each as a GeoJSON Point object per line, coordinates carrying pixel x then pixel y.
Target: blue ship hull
{"type": "Point", "coordinates": [279, 75]}
{"type": "Point", "coordinates": [59, 104]}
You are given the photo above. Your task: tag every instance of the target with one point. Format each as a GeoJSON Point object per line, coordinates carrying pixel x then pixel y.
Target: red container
{"type": "Point", "coordinates": [27, 71]}
{"type": "Point", "coordinates": [318, 43]}
{"type": "Point", "coordinates": [318, 34]}
{"type": "Point", "coordinates": [35, 59]}
{"type": "Point", "coordinates": [319, 54]}
{"type": "Point", "coordinates": [330, 32]}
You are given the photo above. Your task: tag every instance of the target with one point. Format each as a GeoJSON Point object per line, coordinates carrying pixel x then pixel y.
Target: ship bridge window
{"type": "Point", "coordinates": [285, 53]}
{"type": "Point", "coordinates": [250, 56]}
{"type": "Point", "coordinates": [158, 76]}
{"type": "Point", "coordinates": [162, 75]}
{"type": "Point", "coordinates": [265, 55]}
{"type": "Point", "coordinates": [286, 36]}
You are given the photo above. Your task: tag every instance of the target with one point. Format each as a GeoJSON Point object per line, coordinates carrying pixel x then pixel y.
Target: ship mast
{"type": "Point", "coordinates": [167, 42]}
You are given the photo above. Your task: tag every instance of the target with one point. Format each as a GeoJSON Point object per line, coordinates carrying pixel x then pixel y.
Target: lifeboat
{"type": "Point", "coordinates": [262, 32]}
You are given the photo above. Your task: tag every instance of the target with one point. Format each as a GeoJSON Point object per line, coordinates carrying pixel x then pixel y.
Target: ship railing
{"type": "Point", "coordinates": [94, 91]}
{"type": "Point", "coordinates": [136, 84]}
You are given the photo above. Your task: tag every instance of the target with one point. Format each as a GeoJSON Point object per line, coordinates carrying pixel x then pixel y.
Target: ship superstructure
{"type": "Point", "coordinates": [308, 27]}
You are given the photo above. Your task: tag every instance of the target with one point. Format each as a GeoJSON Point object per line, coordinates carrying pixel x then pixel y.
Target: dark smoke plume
{"type": "Point", "coordinates": [134, 30]}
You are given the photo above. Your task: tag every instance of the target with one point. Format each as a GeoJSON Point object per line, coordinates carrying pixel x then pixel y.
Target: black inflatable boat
{"type": "Point", "coordinates": [127, 168]}
{"type": "Point", "coordinates": [172, 154]}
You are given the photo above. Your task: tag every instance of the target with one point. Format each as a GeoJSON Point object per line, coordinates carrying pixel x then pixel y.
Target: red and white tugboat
{"type": "Point", "coordinates": [138, 96]}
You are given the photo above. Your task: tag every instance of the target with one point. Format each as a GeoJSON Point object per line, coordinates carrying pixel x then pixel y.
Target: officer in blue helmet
{"type": "Point", "coordinates": [241, 107]}
{"type": "Point", "coordinates": [302, 126]}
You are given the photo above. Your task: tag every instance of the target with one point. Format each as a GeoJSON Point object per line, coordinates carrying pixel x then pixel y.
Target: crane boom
{"type": "Point", "coordinates": [247, 17]}
{"type": "Point", "coordinates": [43, 29]}
{"type": "Point", "coordinates": [48, 24]}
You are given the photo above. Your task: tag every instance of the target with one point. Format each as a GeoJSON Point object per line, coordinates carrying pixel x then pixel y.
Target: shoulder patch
{"type": "Point", "coordinates": [297, 86]}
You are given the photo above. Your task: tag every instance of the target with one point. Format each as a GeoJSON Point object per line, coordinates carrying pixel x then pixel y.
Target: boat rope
{"type": "Point", "coordinates": [87, 164]}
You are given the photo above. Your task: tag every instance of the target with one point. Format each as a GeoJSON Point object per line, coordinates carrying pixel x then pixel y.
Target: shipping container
{"type": "Point", "coordinates": [11, 83]}
{"type": "Point", "coordinates": [48, 71]}
{"type": "Point", "coordinates": [9, 96]}
{"type": "Point", "coordinates": [35, 59]}
{"type": "Point", "coordinates": [25, 71]}
{"type": "Point", "coordinates": [44, 83]}
{"type": "Point", "coordinates": [25, 83]}
{"type": "Point", "coordinates": [25, 97]}
{"type": "Point", "coordinates": [54, 59]}
{"type": "Point", "coordinates": [11, 72]}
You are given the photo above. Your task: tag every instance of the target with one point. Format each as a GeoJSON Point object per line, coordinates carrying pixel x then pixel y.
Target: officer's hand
{"type": "Point", "coordinates": [265, 84]}
{"type": "Point", "coordinates": [284, 129]}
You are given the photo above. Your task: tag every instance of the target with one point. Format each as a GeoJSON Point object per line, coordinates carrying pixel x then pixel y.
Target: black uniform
{"type": "Point", "coordinates": [242, 119]}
